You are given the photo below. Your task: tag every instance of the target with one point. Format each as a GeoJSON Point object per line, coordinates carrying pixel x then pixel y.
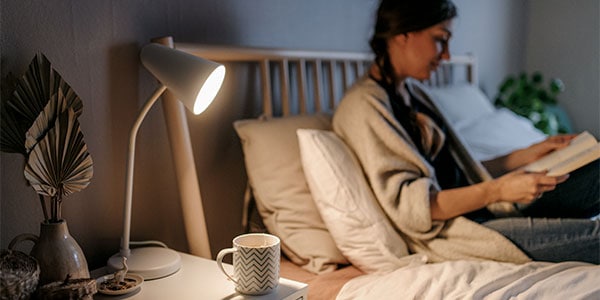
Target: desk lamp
{"type": "Point", "coordinates": [195, 82]}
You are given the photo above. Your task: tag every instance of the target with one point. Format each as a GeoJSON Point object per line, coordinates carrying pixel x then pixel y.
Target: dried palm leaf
{"type": "Point", "coordinates": [59, 164]}
{"type": "Point", "coordinates": [32, 93]}
{"type": "Point", "coordinates": [11, 132]}
{"type": "Point", "coordinates": [45, 120]}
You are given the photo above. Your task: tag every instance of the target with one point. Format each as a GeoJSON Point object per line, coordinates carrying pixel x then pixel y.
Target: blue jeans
{"type": "Point", "coordinates": [558, 226]}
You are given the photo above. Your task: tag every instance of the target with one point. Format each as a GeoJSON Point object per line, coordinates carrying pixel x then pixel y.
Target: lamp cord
{"type": "Point", "coordinates": [148, 243]}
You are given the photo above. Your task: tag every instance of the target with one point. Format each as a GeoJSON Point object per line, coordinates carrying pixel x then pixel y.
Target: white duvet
{"type": "Point", "coordinates": [479, 280]}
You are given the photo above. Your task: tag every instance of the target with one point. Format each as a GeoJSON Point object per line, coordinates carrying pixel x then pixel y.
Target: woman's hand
{"type": "Point", "coordinates": [522, 157]}
{"type": "Point", "coordinates": [525, 187]}
{"type": "Point", "coordinates": [553, 143]}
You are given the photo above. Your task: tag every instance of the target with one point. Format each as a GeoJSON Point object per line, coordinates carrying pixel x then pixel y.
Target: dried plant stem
{"type": "Point", "coordinates": [53, 209]}
{"type": "Point", "coordinates": [44, 207]}
{"type": "Point", "coordinates": [59, 209]}
{"type": "Point", "coordinates": [56, 205]}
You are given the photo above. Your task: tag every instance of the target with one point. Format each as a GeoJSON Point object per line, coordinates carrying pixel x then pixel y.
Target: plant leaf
{"type": "Point", "coordinates": [11, 132]}
{"type": "Point", "coordinates": [32, 93]}
{"type": "Point", "coordinates": [45, 120]}
{"type": "Point", "coordinates": [59, 164]}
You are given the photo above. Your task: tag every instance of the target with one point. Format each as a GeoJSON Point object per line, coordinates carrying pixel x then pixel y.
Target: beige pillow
{"type": "Point", "coordinates": [274, 169]}
{"type": "Point", "coordinates": [346, 203]}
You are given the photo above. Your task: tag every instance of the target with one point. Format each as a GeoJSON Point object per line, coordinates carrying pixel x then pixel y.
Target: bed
{"type": "Point", "coordinates": [303, 184]}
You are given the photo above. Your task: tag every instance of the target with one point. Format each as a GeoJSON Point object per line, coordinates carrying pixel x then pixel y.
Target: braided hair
{"type": "Point", "coordinates": [395, 17]}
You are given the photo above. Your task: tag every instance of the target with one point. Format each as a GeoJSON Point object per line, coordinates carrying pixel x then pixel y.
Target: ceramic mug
{"type": "Point", "coordinates": [255, 263]}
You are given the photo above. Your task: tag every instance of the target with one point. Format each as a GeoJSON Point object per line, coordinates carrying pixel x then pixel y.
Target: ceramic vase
{"type": "Point", "coordinates": [57, 253]}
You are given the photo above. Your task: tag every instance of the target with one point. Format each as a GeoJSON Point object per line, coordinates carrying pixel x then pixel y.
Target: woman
{"type": "Point", "coordinates": [441, 200]}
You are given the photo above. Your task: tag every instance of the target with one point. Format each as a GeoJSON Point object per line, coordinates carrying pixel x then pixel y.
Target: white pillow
{"type": "Point", "coordinates": [497, 133]}
{"type": "Point", "coordinates": [488, 132]}
{"type": "Point", "coordinates": [461, 102]}
{"type": "Point", "coordinates": [347, 205]}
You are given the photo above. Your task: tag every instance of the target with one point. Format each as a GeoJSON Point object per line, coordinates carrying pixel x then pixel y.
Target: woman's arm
{"type": "Point", "coordinates": [522, 157]}
{"type": "Point", "coordinates": [516, 187]}
{"type": "Point", "coordinates": [502, 164]}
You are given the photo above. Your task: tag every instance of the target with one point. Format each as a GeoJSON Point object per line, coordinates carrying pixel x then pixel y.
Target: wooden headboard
{"type": "Point", "coordinates": [300, 81]}
{"type": "Point", "coordinates": [290, 82]}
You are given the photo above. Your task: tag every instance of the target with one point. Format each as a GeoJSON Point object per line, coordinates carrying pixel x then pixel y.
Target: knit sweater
{"type": "Point", "coordinates": [403, 181]}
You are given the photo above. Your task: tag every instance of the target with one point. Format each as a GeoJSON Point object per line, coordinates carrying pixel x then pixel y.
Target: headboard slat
{"type": "Point", "coordinates": [187, 178]}
{"type": "Point", "coordinates": [345, 74]}
{"type": "Point", "coordinates": [265, 72]}
{"type": "Point", "coordinates": [317, 84]}
{"type": "Point", "coordinates": [284, 75]}
{"type": "Point", "coordinates": [302, 97]}
{"type": "Point", "coordinates": [332, 91]}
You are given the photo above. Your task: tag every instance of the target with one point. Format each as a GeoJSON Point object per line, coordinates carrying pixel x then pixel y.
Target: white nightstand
{"type": "Point", "coordinates": [200, 278]}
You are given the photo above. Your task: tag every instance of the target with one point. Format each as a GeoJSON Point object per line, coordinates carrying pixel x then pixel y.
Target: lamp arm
{"type": "Point", "coordinates": [125, 251]}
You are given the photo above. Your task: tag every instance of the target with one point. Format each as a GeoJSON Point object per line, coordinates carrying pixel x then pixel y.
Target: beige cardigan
{"type": "Point", "coordinates": [403, 181]}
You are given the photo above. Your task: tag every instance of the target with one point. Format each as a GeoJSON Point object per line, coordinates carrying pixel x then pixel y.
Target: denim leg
{"type": "Point", "coordinates": [553, 240]}
{"type": "Point", "coordinates": [578, 197]}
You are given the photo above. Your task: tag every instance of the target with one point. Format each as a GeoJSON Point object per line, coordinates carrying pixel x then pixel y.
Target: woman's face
{"type": "Point", "coordinates": [417, 54]}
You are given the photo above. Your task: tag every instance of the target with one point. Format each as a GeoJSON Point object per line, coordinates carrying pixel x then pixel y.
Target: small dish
{"type": "Point", "coordinates": [109, 286]}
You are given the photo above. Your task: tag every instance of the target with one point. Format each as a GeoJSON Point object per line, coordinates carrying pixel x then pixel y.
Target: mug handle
{"type": "Point", "coordinates": [220, 257]}
{"type": "Point", "coordinates": [22, 237]}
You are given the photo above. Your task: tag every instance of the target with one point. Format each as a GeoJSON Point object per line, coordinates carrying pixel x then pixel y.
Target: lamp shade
{"type": "Point", "coordinates": [193, 80]}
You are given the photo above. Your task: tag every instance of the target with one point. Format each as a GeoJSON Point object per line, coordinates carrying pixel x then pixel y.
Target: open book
{"type": "Point", "coordinates": [582, 150]}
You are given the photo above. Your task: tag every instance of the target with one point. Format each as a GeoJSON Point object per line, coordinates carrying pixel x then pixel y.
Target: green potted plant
{"type": "Point", "coordinates": [529, 96]}
{"type": "Point", "coordinates": [39, 121]}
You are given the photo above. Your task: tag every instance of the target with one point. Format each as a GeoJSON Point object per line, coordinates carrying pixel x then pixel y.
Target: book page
{"type": "Point", "coordinates": [578, 144]}
{"type": "Point", "coordinates": [576, 162]}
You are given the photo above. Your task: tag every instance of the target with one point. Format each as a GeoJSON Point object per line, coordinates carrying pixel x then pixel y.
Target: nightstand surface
{"type": "Point", "coordinates": [200, 278]}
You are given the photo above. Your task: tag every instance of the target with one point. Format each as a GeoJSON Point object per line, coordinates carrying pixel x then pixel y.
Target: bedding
{"type": "Point", "coordinates": [487, 131]}
{"type": "Point", "coordinates": [497, 133]}
{"type": "Point", "coordinates": [479, 280]}
{"type": "Point", "coordinates": [461, 102]}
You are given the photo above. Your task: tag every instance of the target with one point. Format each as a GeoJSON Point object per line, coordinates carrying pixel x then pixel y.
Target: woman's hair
{"type": "Point", "coordinates": [396, 17]}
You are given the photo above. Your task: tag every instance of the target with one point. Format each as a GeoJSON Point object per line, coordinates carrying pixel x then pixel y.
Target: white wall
{"type": "Point", "coordinates": [564, 42]}
{"type": "Point", "coordinates": [495, 32]}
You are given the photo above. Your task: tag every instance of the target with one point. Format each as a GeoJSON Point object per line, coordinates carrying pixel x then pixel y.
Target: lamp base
{"type": "Point", "coordinates": [148, 262]}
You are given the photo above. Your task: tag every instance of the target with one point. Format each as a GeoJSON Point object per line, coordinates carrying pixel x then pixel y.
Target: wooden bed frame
{"type": "Point", "coordinates": [290, 82]}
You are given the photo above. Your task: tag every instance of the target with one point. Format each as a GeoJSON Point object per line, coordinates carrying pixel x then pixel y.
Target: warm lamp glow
{"type": "Point", "coordinates": [209, 90]}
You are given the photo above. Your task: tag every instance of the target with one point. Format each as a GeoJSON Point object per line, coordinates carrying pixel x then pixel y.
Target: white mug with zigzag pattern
{"type": "Point", "coordinates": [255, 263]}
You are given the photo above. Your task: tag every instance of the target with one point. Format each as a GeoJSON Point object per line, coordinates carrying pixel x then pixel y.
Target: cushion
{"type": "Point", "coordinates": [497, 133]}
{"type": "Point", "coordinates": [353, 216]}
{"type": "Point", "coordinates": [461, 102]}
{"type": "Point", "coordinates": [272, 160]}
{"type": "Point", "coordinates": [488, 132]}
